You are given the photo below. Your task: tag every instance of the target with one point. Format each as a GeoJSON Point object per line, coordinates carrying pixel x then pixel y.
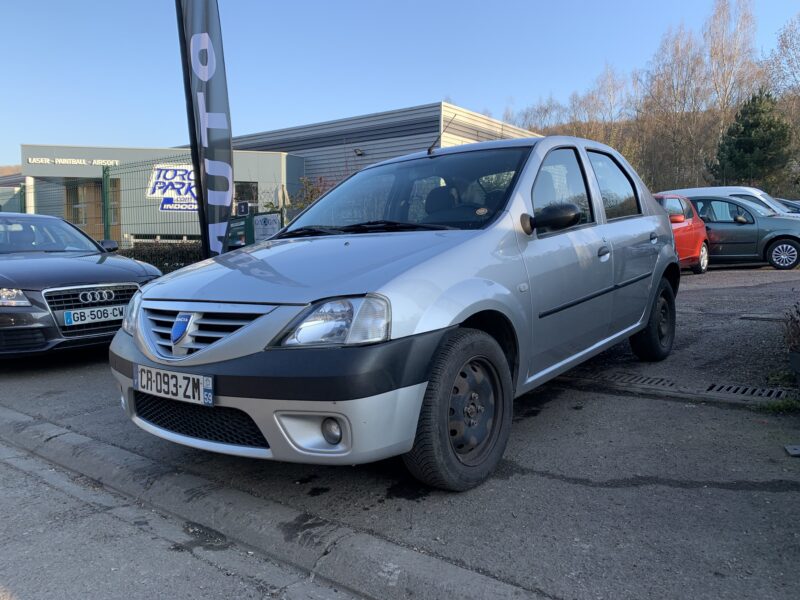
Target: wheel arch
{"type": "Point", "coordinates": [499, 327]}
{"type": "Point", "coordinates": [777, 238]}
{"type": "Point", "coordinates": [672, 273]}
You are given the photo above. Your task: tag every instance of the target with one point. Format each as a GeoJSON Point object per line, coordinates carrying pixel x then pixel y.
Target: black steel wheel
{"type": "Point", "coordinates": [654, 342]}
{"type": "Point", "coordinates": [465, 418]}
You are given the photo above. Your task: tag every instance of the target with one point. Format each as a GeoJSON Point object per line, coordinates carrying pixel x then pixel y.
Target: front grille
{"type": "Point", "coordinates": [21, 339]}
{"type": "Point", "coordinates": [207, 328]}
{"type": "Point", "coordinates": [69, 299]}
{"type": "Point", "coordinates": [221, 424]}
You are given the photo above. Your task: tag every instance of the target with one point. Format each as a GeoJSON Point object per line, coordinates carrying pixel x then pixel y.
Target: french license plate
{"type": "Point", "coordinates": [94, 315]}
{"type": "Point", "coordinates": [197, 389]}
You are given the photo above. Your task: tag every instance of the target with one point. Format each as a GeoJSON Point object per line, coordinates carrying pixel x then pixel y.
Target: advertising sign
{"type": "Point", "coordinates": [266, 225]}
{"type": "Point", "coordinates": [206, 87]}
{"type": "Point", "coordinates": [175, 186]}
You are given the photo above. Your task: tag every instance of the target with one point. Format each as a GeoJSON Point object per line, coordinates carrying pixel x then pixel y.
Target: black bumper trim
{"type": "Point", "coordinates": [313, 374]}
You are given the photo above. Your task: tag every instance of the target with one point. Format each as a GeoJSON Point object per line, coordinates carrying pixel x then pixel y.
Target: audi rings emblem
{"type": "Point", "coordinates": [96, 296]}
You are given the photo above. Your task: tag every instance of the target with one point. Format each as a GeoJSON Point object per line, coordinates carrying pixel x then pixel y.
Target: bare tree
{"type": "Point", "coordinates": [784, 62]}
{"type": "Point", "coordinates": [734, 73]}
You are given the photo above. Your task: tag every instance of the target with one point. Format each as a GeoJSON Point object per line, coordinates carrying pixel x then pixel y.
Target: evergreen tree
{"type": "Point", "coordinates": [756, 146]}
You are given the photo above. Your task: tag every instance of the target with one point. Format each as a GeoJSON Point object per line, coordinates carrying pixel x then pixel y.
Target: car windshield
{"type": "Point", "coordinates": [32, 234]}
{"type": "Point", "coordinates": [765, 200]}
{"type": "Point", "coordinates": [464, 190]}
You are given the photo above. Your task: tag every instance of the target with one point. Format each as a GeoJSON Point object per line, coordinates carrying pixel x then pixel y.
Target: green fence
{"type": "Point", "coordinates": [149, 207]}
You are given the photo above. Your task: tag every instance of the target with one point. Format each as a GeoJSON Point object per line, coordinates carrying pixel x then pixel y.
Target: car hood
{"type": "Point", "coordinates": [38, 271]}
{"type": "Point", "coordinates": [302, 270]}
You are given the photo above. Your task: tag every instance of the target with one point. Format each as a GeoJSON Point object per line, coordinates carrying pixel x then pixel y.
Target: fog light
{"type": "Point", "coordinates": [331, 431]}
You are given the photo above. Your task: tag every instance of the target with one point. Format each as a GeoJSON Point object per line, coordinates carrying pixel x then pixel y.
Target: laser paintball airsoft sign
{"type": "Point", "coordinates": [174, 186]}
{"type": "Point", "coordinates": [209, 118]}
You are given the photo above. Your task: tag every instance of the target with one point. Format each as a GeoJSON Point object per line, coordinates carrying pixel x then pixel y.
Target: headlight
{"type": "Point", "coordinates": [342, 321]}
{"type": "Point", "coordinates": [13, 297]}
{"type": "Point", "coordinates": [132, 314]}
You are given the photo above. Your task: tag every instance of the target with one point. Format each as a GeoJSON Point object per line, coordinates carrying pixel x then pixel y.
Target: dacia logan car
{"type": "Point", "coordinates": [403, 311]}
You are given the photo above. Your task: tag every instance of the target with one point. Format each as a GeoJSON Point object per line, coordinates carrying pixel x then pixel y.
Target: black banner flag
{"type": "Point", "coordinates": [209, 118]}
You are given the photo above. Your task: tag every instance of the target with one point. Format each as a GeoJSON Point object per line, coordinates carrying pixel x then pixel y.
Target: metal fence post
{"type": "Point", "coordinates": [105, 195]}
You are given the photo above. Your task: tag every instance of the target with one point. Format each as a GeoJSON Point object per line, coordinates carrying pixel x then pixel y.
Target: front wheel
{"type": "Point", "coordinates": [702, 262]}
{"type": "Point", "coordinates": [654, 342]}
{"type": "Point", "coordinates": [784, 254]}
{"type": "Point", "coordinates": [465, 418]}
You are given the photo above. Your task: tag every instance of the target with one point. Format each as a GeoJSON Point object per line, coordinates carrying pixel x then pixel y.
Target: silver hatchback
{"type": "Point", "coordinates": [403, 312]}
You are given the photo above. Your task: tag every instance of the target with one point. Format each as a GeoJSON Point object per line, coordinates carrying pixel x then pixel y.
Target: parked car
{"type": "Point", "coordinates": [691, 241]}
{"type": "Point", "coordinates": [403, 312]}
{"type": "Point", "coordinates": [742, 231]}
{"type": "Point", "coordinates": [793, 206]}
{"type": "Point", "coordinates": [752, 194]}
{"type": "Point", "coordinates": [58, 287]}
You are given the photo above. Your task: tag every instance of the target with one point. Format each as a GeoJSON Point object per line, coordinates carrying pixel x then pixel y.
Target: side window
{"type": "Point", "coordinates": [673, 206]}
{"type": "Point", "coordinates": [560, 181]}
{"type": "Point", "coordinates": [619, 197]}
{"type": "Point", "coordinates": [719, 211]}
{"type": "Point", "coordinates": [687, 209]}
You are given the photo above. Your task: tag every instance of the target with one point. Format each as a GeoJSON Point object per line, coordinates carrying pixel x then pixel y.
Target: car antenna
{"type": "Point", "coordinates": [438, 137]}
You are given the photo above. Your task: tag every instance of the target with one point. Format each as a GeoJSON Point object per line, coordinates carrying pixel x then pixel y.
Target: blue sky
{"type": "Point", "coordinates": [94, 72]}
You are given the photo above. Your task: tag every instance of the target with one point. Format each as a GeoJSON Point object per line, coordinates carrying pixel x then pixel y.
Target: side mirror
{"type": "Point", "coordinates": [677, 218]}
{"type": "Point", "coordinates": [741, 219]}
{"type": "Point", "coordinates": [109, 245]}
{"type": "Point", "coordinates": [552, 217]}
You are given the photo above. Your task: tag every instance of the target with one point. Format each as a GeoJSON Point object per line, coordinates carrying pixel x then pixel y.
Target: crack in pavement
{"type": "Point", "coordinates": [777, 486]}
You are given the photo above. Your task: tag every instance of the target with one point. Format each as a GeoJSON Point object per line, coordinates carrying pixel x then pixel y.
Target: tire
{"type": "Point", "coordinates": [702, 262]}
{"type": "Point", "coordinates": [784, 254]}
{"type": "Point", "coordinates": [654, 342]}
{"type": "Point", "coordinates": [465, 418]}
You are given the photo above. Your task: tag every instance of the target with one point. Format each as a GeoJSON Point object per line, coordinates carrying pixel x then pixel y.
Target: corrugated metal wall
{"type": "Point", "coordinates": [335, 149]}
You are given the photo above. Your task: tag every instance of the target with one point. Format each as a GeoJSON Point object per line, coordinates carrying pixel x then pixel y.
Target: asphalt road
{"type": "Point", "coordinates": [600, 495]}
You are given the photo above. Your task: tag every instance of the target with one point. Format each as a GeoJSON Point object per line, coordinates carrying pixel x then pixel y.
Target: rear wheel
{"type": "Point", "coordinates": [465, 418]}
{"type": "Point", "coordinates": [654, 342]}
{"type": "Point", "coordinates": [784, 254]}
{"type": "Point", "coordinates": [702, 262]}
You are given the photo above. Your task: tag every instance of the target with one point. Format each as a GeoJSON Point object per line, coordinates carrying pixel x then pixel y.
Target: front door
{"type": "Point", "coordinates": [570, 269]}
{"type": "Point", "coordinates": [732, 229]}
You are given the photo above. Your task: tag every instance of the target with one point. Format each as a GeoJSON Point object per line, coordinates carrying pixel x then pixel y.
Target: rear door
{"type": "Point", "coordinates": [727, 238]}
{"type": "Point", "coordinates": [632, 235]}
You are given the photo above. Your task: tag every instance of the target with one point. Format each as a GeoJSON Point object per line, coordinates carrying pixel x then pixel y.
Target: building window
{"type": "Point", "coordinates": [245, 191]}
{"type": "Point", "coordinates": [114, 202]}
{"type": "Point", "coordinates": [76, 203]}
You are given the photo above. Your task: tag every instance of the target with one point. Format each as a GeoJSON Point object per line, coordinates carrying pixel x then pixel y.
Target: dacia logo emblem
{"type": "Point", "coordinates": [180, 327]}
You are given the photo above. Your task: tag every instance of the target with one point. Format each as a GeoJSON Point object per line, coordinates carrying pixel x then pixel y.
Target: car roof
{"type": "Point", "coordinates": [497, 144]}
{"type": "Point", "coordinates": [719, 190]}
{"type": "Point", "coordinates": [29, 215]}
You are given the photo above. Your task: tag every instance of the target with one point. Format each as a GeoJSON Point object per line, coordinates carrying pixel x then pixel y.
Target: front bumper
{"type": "Point", "coordinates": [374, 392]}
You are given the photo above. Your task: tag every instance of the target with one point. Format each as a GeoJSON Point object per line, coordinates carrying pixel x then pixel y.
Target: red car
{"type": "Point", "coordinates": [691, 241]}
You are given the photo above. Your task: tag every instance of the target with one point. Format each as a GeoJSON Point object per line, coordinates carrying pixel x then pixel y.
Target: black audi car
{"type": "Point", "coordinates": [58, 287]}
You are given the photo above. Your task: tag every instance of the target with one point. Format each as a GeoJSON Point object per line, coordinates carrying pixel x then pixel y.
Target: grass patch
{"type": "Point", "coordinates": [781, 378]}
{"type": "Point", "coordinates": [784, 406]}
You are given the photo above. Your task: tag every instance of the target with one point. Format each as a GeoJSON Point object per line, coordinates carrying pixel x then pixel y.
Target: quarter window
{"type": "Point", "coordinates": [619, 197]}
{"type": "Point", "coordinates": [560, 181]}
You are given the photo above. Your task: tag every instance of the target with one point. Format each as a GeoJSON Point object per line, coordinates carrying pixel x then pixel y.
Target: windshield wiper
{"type": "Point", "coordinates": [308, 231]}
{"type": "Point", "coordinates": [384, 225]}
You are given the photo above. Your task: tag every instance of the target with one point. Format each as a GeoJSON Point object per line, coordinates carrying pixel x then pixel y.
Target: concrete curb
{"type": "Point", "coordinates": [355, 560]}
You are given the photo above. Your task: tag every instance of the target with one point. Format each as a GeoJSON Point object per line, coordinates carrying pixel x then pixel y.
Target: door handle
{"type": "Point", "coordinates": [653, 236]}
{"type": "Point", "coordinates": [603, 251]}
